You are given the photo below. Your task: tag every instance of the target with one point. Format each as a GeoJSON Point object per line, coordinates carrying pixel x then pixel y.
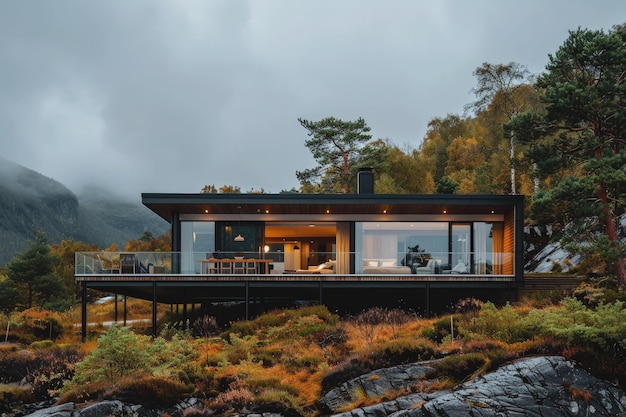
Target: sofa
{"type": "Point", "coordinates": [432, 267]}
{"type": "Point", "coordinates": [384, 266]}
{"type": "Point", "coordinates": [323, 268]}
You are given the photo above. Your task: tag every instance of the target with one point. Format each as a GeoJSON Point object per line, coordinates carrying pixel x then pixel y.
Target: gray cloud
{"type": "Point", "coordinates": [168, 96]}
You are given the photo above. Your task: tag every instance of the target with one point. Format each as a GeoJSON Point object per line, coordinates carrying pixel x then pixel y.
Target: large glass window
{"type": "Point", "coordinates": [455, 247]}
{"type": "Point", "coordinates": [488, 247]}
{"type": "Point", "coordinates": [409, 244]}
{"type": "Point", "coordinates": [461, 249]}
{"type": "Point", "coordinates": [197, 240]}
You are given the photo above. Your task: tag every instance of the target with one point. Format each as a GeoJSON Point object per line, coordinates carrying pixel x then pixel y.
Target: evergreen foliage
{"type": "Point", "coordinates": [31, 274]}
{"type": "Point", "coordinates": [340, 148]}
{"type": "Point", "coordinates": [578, 142]}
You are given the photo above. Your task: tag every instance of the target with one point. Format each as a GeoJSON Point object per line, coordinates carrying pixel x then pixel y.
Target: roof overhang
{"type": "Point", "coordinates": [316, 206]}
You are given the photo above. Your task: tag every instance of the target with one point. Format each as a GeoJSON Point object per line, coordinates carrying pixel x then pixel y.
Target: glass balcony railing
{"type": "Point", "coordinates": [292, 262]}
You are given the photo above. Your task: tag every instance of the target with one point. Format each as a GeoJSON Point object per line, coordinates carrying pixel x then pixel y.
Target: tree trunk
{"type": "Point", "coordinates": [512, 156]}
{"type": "Point", "coordinates": [611, 232]}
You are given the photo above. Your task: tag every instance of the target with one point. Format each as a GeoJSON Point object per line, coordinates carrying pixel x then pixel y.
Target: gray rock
{"type": "Point", "coordinates": [103, 409]}
{"type": "Point", "coordinates": [541, 386]}
{"type": "Point", "coordinates": [375, 384]}
{"type": "Point", "coordinates": [62, 410]}
{"type": "Point", "coordinates": [532, 387]}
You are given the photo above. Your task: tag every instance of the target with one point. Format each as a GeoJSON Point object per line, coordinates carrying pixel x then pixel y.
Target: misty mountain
{"type": "Point", "coordinates": [30, 201]}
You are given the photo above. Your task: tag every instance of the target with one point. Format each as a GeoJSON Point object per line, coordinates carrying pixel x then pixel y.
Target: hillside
{"type": "Point", "coordinates": [30, 201]}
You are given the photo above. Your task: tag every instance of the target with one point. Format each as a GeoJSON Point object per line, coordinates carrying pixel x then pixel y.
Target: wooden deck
{"type": "Point", "coordinates": [292, 277]}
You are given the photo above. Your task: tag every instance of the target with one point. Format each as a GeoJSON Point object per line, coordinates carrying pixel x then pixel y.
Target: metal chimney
{"type": "Point", "coordinates": [365, 181]}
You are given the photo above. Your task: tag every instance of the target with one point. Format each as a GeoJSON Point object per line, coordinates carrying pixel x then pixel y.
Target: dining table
{"type": "Point", "coordinates": [214, 265]}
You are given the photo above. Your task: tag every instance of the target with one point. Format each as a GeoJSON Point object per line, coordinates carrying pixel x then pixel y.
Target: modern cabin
{"type": "Point", "coordinates": [332, 249]}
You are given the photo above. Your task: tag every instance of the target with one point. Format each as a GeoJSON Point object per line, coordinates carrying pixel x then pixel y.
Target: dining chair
{"type": "Point", "coordinates": [239, 266]}
{"type": "Point", "coordinates": [213, 266]}
{"type": "Point", "coordinates": [251, 266]}
{"type": "Point", "coordinates": [226, 266]}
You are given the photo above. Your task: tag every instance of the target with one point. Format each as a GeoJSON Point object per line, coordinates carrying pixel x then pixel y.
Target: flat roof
{"type": "Point", "coordinates": [247, 205]}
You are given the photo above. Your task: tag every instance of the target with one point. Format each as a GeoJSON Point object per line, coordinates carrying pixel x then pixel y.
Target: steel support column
{"type": "Point", "coordinates": [321, 286]}
{"type": "Point", "coordinates": [154, 309]}
{"type": "Point", "coordinates": [427, 290]}
{"type": "Point", "coordinates": [83, 311]}
{"type": "Point", "coordinates": [247, 300]}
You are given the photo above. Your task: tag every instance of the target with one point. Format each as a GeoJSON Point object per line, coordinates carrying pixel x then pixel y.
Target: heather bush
{"type": "Point", "coordinates": [258, 383]}
{"type": "Point", "coordinates": [599, 290]}
{"type": "Point", "coordinates": [395, 319]}
{"type": "Point", "coordinates": [458, 368]}
{"type": "Point", "coordinates": [239, 328]}
{"type": "Point", "coordinates": [12, 395]}
{"type": "Point", "coordinates": [442, 329]}
{"type": "Point", "coordinates": [150, 391]}
{"type": "Point", "coordinates": [41, 344]}
{"type": "Point", "coordinates": [319, 311]}
{"type": "Point", "coordinates": [332, 342]}
{"type": "Point", "coordinates": [401, 351]}
{"type": "Point", "coordinates": [367, 323]}
{"type": "Point", "coordinates": [237, 395]}
{"type": "Point", "coordinates": [46, 369]}
{"type": "Point", "coordinates": [275, 400]}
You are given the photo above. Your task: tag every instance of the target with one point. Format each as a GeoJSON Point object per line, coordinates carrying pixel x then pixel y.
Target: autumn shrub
{"type": "Point", "coordinates": [599, 290]}
{"type": "Point", "coordinates": [259, 382]}
{"type": "Point", "coordinates": [11, 395]}
{"type": "Point", "coordinates": [505, 324]}
{"type": "Point", "coordinates": [36, 324]}
{"type": "Point", "coordinates": [390, 353]}
{"type": "Point", "coordinates": [311, 326]}
{"type": "Point", "coordinates": [367, 322]}
{"type": "Point", "coordinates": [205, 326]}
{"type": "Point", "coordinates": [320, 311]}
{"type": "Point", "coordinates": [237, 396]}
{"type": "Point", "coordinates": [240, 328]}
{"type": "Point", "coordinates": [46, 369]}
{"type": "Point", "coordinates": [41, 344]}
{"type": "Point", "coordinates": [57, 365]}
{"type": "Point", "coordinates": [238, 349]}
{"type": "Point", "coordinates": [468, 305]}
{"type": "Point", "coordinates": [150, 391]}
{"type": "Point", "coordinates": [86, 392]}
{"type": "Point", "coordinates": [120, 353]}
{"type": "Point", "coordinates": [275, 400]}
{"type": "Point", "coordinates": [442, 328]}
{"type": "Point", "coordinates": [15, 365]}
{"type": "Point", "coordinates": [401, 351]}
{"type": "Point", "coordinates": [458, 367]}
{"type": "Point", "coordinates": [305, 361]}
{"type": "Point", "coordinates": [332, 341]}
{"type": "Point", "coordinates": [598, 334]}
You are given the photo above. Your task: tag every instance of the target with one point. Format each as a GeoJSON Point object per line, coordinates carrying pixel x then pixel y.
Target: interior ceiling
{"type": "Point", "coordinates": [291, 230]}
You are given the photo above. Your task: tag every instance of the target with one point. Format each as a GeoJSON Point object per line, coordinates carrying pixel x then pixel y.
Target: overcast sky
{"type": "Point", "coordinates": [169, 96]}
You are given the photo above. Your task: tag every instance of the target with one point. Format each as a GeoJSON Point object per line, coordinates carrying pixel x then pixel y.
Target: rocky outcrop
{"type": "Point", "coordinates": [378, 383]}
{"type": "Point", "coordinates": [540, 386]}
{"type": "Point", "coordinates": [533, 387]}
